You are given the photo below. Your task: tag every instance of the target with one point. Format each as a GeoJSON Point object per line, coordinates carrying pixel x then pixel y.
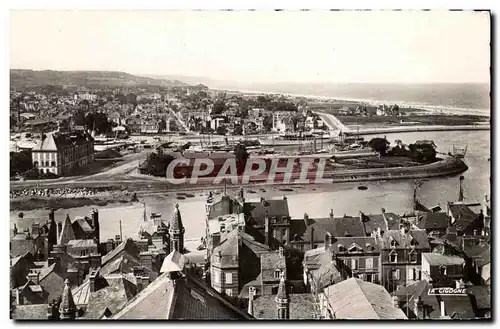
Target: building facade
{"type": "Point", "coordinates": [60, 154]}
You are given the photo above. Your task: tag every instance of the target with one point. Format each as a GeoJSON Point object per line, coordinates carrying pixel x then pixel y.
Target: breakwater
{"type": "Point", "coordinates": [409, 129]}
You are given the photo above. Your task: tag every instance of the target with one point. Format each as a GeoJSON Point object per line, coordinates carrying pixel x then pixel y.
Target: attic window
{"type": "Point", "coordinates": [393, 243]}
{"type": "Point", "coordinates": [413, 257]}
{"type": "Point", "coordinates": [413, 242]}
{"type": "Point", "coordinates": [393, 257]}
{"type": "Point", "coordinates": [341, 248]}
{"type": "Point", "coordinates": [277, 274]}
{"type": "Point", "coordinates": [354, 248]}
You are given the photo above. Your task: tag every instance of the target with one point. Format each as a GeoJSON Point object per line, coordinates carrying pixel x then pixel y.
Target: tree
{"type": "Point", "coordinates": [241, 154]}
{"type": "Point", "coordinates": [422, 152]}
{"type": "Point", "coordinates": [20, 162]}
{"type": "Point", "coordinates": [238, 130]}
{"type": "Point", "coordinates": [268, 123]}
{"type": "Point", "coordinates": [379, 145]}
{"type": "Point", "coordinates": [80, 118]}
{"type": "Point", "coordinates": [221, 130]}
{"type": "Point", "coordinates": [219, 107]}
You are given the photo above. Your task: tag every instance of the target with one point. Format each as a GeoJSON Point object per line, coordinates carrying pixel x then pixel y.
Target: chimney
{"type": "Point", "coordinates": [95, 260]}
{"type": "Point", "coordinates": [242, 195]}
{"type": "Point", "coordinates": [262, 200]}
{"type": "Point", "coordinates": [92, 278]}
{"type": "Point", "coordinates": [251, 294]}
{"type": "Point", "coordinates": [110, 246]}
{"type": "Point", "coordinates": [284, 197]}
{"type": "Point", "coordinates": [306, 216]}
{"type": "Point", "coordinates": [34, 276]}
{"type": "Point", "coordinates": [18, 299]}
{"type": "Point", "coordinates": [268, 231]}
{"type": "Point", "coordinates": [331, 214]}
{"type": "Point", "coordinates": [146, 259]}
{"type": "Point", "coordinates": [382, 210]}
{"type": "Point", "coordinates": [280, 251]}
{"type": "Point", "coordinates": [443, 310]}
{"type": "Point", "coordinates": [50, 261]}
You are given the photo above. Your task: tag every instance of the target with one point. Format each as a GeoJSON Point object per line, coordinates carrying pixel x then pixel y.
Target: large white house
{"type": "Point", "coordinates": [59, 153]}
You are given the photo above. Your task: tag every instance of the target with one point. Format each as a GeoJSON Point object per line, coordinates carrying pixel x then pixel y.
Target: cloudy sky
{"type": "Point", "coordinates": [259, 46]}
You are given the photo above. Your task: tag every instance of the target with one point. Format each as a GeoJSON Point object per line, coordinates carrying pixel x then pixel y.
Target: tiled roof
{"type": "Point", "coordinates": [434, 220]}
{"type": "Point", "coordinates": [67, 234]}
{"type": "Point", "coordinates": [57, 141]}
{"type": "Point", "coordinates": [357, 299]}
{"type": "Point", "coordinates": [272, 260]}
{"type": "Point", "coordinates": [82, 243]}
{"type": "Point", "coordinates": [373, 222]}
{"type": "Point", "coordinates": [481, 296]}
{"type": "Point", "coordinates": [30, 312]}
{"type": "Point", "coordinates": [188, 298]}
{"type": "Point", "coordinates": [455, 306]}
{"type": "Point", "coordinates": [83, 224]}
{"type": "Point", "coordinates": [337, 227]}
{"type": "Point", "coordinates": [439, 259]}
{"type": "Point", "coordinates": [127, 246]}
{"type": "Point", "coordinates": [257, 210]}
{"type": "Point", "coordinates": [302, 307]}
{"type": "Point", "coordinates": [326, 275]}
{"type": "Point", "coordinates": [360, 244]}
{"type": "Point", "coordinates": [463, 215]}
{"type": "Point", "coordinates": [114, 297]}
{"type": "Point", "coordinates": [404, 240]}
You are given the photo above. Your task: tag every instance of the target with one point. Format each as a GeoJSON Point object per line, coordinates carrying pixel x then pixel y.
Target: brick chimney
{"type": "Point", "coordinates": [331, 214]}
{"type": "Point", "coordinates": [94, 272]}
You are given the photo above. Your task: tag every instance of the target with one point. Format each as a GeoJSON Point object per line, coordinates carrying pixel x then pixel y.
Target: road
{"type": "Point", "coordinates": [332, 122]}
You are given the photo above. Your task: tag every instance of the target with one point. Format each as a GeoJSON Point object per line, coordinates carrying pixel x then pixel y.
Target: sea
{"type": "Point", "coordinates": [455, 98]}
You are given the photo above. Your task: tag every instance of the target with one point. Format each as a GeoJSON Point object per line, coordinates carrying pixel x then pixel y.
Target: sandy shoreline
{"type": "Point", "coordinates": [445, 109]}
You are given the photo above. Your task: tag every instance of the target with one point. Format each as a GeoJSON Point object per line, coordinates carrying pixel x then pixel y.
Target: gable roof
{"type": "Point", "coordinates": [463, 216]}
{"type": "Point", "coordinates": [436, 259]}
{"type": "Point", "coordinates": [128, 246]}
{"type": "Point", "coordinates": [185, 298]}
{"type": "Point", "coordinates": [404, 240]}
{"type": "Point", "coordinates": [67, 233]}
{"type": "Point", "coordinates": [357, 299]}
{"type": "Point", "coordinates": [257, 210]}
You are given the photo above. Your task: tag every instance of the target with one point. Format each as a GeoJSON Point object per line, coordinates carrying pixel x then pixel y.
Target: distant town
{"type": "Point", "coordinates": [91, 141]}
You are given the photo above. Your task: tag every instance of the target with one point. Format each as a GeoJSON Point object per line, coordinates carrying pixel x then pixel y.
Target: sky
{"type": "Point", "coordinates": [259, 46]}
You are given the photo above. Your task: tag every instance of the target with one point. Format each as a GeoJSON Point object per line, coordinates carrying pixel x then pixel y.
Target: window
{"type": "Point", "coordinates": [393, 243]}
{"type": "Point", "coordinates": [369, 262]}
{"type": "Point", "coordinates": [413, 257]}
{"type": "Point", "coordinates": [369, 278]}
{"type": "Point", "coordinates": [229, 278]}
{"type": "Point", "coordinates": [341, 248]}
{"type": "Point", "coordinates": [277, 274]}
{"type": "Point", "coordinates": [354, 264]}
{"type": "Point", "coordinates": [46, 163]}
{"type": "Point", "coordinates": [35, 164]}
{"type": "Point", "coordinates": [443, 270]}
{"type": "Point", "coordinates": [413, 274]}
{"type": "Point", "coordinates": [229, 292]}
{"type": "Point", "coordinates": [53, 163]}
{"type": "Point", "coordinates": [413, 242]}
{"type": "Point", "coordinates": [395, 274]}
{"type": "Point", "coordinates": [393, 257]}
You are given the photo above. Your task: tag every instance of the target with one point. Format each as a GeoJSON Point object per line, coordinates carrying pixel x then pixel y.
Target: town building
{"type": "Point", "coordinates": [61, 154]}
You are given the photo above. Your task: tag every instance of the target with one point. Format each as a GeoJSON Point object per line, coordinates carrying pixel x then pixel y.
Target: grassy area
{"type": "Point", "coordinates": [376, 162]}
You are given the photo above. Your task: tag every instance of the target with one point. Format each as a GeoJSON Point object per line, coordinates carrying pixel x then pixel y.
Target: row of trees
{"type": "Point", "coordinates": [420, 152]}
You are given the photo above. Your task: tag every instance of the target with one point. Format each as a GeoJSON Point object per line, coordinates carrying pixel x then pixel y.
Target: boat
{"type": "Point", "coordinates": [362, 188]}
{"type": "Point", "coordinates": [459, 152]}
{"type": "Point", "coordinates": [105, 143]}
{"type": "Point", "coordinates": [290, 139]}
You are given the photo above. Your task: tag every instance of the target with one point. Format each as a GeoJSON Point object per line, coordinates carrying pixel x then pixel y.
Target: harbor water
{"type": "Point", "coordinates": [315, 200]}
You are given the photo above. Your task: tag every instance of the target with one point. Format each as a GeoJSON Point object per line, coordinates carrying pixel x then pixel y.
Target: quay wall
{"type": "Point", "coordinates": [388, 130]}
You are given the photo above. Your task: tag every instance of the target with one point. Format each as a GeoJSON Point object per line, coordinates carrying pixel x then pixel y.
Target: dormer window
{"type": "Point", "coordinates": [277, 274]}
{"type": "Point", "coordinates": [413, 257]}
{"type": "Point", "coordinates": [341, 248]}
{"type": "Point", "coordinates": [393, 243]}
{"type": "Point", "coordinates": [393, 257]}
{"type": "Point", "coordinates": [413, 243]}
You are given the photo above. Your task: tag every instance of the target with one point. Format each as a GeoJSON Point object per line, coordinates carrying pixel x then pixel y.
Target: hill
{"type": "Point", "coordinates": [21, 79]}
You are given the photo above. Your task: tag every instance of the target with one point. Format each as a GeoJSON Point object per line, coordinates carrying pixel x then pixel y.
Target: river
{"type": "Point", "coordinates": [344, 198]}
